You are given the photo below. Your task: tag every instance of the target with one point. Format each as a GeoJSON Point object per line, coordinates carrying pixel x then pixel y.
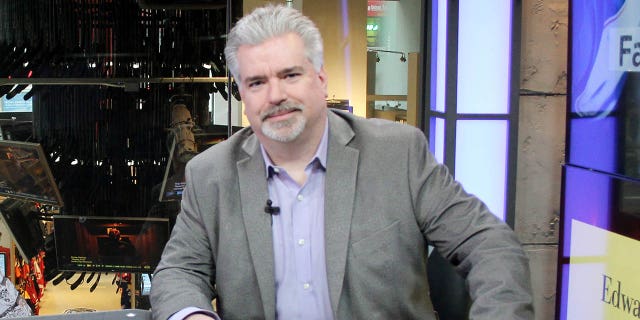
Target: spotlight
{"type": "Point", "coordinates": [403, 58]}
{"type": "Point", "coordinates": [16, 90]}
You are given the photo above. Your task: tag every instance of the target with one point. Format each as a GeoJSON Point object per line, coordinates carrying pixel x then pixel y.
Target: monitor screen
{"type": "Point", "coordinates": [173, 182]}
{"type": "Point", "coordinates": [25, 173]}
{"type": "Point", "coordinates": [24, 225]}
{"type": "Point", "coordinates": [600, 217]}
{"type": "Point", "coordinates": [121, 244]}
{"type": "Point", "coordinates": [600, 237]}
{"type": "Point", "coordinates": [3, 264]}
{"type": "Point", "coordinates": [604, 92]}
{"type": "Point", "coordinates": [146, 284]}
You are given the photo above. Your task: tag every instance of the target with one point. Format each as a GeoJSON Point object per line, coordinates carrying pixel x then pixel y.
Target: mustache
{"type": "Point", "coordinates": [283, 107]}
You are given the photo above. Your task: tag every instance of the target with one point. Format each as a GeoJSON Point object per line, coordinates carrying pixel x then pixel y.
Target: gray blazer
{"type": "Point", "coordinates": [386, 199]}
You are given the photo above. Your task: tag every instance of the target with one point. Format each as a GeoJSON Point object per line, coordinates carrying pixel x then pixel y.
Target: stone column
{"type": "Point", "coordinates": [541, 142]}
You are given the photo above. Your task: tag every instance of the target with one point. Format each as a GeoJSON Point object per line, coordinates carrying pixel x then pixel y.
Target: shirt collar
{"type": "Point", "coordinates": [320, 155]}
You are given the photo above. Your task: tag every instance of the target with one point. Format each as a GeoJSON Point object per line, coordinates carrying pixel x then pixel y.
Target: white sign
{"type": "Point", "coordinates": [624, 49]}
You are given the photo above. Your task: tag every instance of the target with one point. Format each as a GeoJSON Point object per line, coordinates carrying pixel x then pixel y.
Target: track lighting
{"type": "Point", "coordinates": [403, 58]}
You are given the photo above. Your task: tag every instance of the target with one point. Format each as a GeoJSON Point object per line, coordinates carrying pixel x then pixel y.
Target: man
{"type": "Point", "coordinates": [317, 214]}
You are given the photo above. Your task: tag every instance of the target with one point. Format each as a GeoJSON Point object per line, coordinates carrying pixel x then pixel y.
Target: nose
{"type": "Point", "coordinates": [277, 93]}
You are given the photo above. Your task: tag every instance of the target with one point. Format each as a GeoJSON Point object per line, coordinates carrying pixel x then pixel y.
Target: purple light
{"type": "Point", "coordinates": [347, 48]}
{"type": "Point", "coordinates": [436, 137]}
{"type": "Point", "coordinates": [481, 161]}
{"type": "Point", "coordinates": [592, 143]}
{"type": "Point", "coordinates": [441, 54]}
{"type": "Point", "coordinates": [484, 57]}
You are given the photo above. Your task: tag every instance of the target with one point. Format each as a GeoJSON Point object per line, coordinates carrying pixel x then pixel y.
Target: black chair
{"type": "Point", "coordinates": [448, 290]}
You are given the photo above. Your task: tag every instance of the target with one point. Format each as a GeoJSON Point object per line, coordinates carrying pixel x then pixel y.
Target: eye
{"type": "Point", "coordinates": [291, 75]}
{"type": "Point", "coordinates": [254, 84]}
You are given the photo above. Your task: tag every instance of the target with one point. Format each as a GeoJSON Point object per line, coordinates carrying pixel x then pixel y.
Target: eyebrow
{"type": "Point", "coordinates": [298, 69]}
{"type": "Point", "coordinates": [254, 78]}
{"type": "Point", "coordinates": [279, 73]}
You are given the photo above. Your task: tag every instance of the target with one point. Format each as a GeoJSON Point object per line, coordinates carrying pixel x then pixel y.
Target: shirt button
{"type": "Point", "coordinates": [276, 170]}
{"type": "Point", "coordinates": [300, 197]}
{"type": "Point", "coordinates": [306, 286]}
{"type": "Point", "coordinates": [301, 242]}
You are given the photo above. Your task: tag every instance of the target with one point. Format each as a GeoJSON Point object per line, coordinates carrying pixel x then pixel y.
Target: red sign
{"type": "Point", "coordinates": [375, 8]}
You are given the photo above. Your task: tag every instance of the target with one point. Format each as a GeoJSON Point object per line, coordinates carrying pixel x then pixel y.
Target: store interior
{"type": "Point", "coordinates": [102, 104]}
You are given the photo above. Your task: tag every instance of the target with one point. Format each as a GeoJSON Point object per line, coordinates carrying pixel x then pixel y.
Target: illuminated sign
{"type": "Point", "coordinates": [603, 276]}
{"type": "Point", "coordinates": [375, 8]}
{"type": "Point", "coordinates": [624, 49]}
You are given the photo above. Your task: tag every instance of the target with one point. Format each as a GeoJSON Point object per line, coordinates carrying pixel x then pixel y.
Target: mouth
{"type": "Point", "coordinates": [280, 112]}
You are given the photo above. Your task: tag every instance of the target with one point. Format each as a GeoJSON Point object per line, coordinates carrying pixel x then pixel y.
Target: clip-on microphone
{"type": "Point", "coordinates": [271, 209]}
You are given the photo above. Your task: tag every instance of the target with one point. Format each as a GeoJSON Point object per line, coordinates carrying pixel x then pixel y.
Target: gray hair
{"type": "Point", "coordinates": [269, 22]}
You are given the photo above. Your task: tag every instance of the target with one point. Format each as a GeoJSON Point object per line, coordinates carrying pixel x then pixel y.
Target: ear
{"type": "Point", "coordinates": [322, 76]}
{"type": "Point", "coordinates": [239, 86]}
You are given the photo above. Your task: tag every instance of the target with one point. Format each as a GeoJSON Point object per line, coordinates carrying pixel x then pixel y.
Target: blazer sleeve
{"type": "Point", "coordinates": [460, 226]}
{"type": "Point", "coordinates": [184, 277]}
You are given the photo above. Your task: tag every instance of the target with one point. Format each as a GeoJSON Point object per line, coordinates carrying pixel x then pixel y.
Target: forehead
{"type": "Point", "coordinates": [275, 53]}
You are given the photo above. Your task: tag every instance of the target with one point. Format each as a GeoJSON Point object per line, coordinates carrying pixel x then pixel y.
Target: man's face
{"type": "Point", "coordinates": [284, 95]}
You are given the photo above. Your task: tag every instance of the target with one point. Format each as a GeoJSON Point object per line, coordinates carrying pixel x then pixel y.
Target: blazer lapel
{"type": "Point", "coordinates": [340, 184]}
{"type": "Point", "coordinates": [253, 184]}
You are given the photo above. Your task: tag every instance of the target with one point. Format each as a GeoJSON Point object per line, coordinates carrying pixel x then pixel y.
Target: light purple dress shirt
{"type": "Point", "coordinates": [302, 291]}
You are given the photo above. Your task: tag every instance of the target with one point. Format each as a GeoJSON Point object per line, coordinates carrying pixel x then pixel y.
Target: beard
{"type": "Point", "coordinates": [284, 130]}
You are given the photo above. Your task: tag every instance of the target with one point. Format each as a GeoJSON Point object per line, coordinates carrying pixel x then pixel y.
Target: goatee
{"type": "Point", "coordinates": [284, 130]}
